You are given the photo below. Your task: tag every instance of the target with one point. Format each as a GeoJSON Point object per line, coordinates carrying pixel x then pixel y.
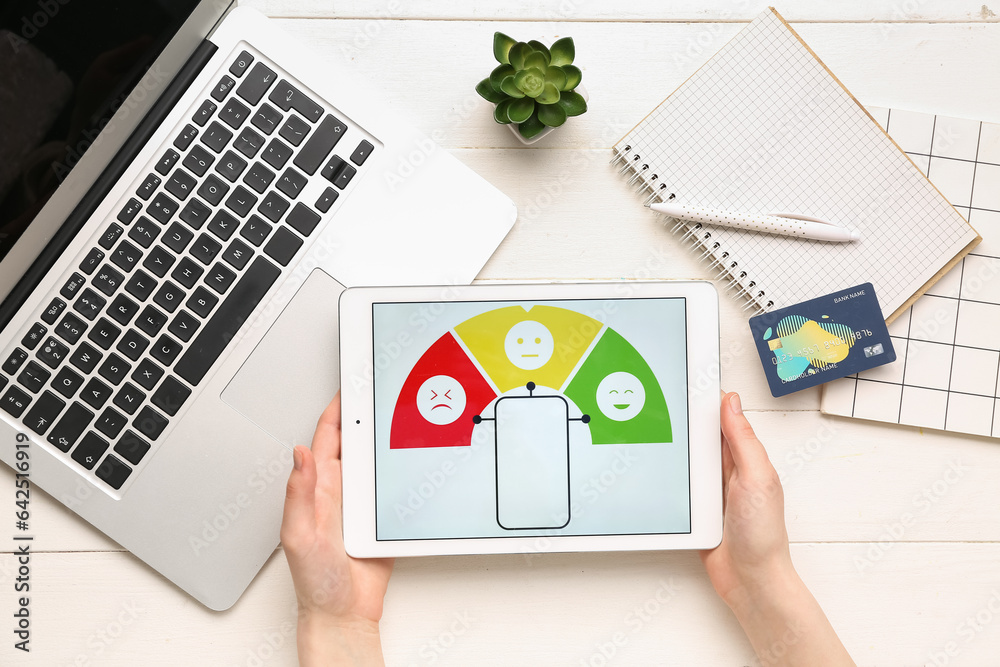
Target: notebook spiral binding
{"type": "Point", "coordinates": [644, 181]}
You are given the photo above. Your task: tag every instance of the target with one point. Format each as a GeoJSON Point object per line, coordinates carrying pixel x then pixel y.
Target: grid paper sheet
{"type": "Point", "coordinates": [764, 127]}
{"type": "Point", "coordinates": [948, 344]}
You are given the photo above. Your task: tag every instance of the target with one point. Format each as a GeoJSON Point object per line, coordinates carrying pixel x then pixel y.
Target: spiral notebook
{"type": "Point", "coordinates": [765, 127]}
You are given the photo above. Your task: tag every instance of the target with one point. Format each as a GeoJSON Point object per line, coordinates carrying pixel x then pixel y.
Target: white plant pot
{"type": "Point", "coordinates": [544, 133]}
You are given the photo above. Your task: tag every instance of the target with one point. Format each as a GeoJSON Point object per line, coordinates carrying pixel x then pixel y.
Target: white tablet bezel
{"type": "Point", "coordinates": [358, 417]}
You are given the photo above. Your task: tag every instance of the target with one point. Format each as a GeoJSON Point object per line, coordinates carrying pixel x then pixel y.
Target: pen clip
{"type": "Point", "coordinates": [806, 218]}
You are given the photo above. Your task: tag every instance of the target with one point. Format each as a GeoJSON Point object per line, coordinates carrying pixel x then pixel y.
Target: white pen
{"type": "Point", "coordinates": [784, 224]}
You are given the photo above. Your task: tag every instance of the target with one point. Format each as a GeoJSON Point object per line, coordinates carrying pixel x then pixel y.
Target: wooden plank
{"type": "Point", "coordinates": [634, 11]}
{"type": "Point", "coordinates": [106, 609]}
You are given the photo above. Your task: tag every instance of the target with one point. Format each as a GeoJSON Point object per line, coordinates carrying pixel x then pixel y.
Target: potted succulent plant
{"type": "Point", "coordinates": [534, 87]}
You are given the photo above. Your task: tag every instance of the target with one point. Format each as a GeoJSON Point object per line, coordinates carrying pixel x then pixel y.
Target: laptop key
{"type": "Point", "coordinates": [130, 210]}
{"type": "Point", "coordinates": [240, 65]}
{"type": "Point", "coordinates": [187, 272]}
{"type": "Point", "coordinates": [129, 398]}
{"type": "Point", "coordinates": [223, 225]}
{"type": "Point", "coordinates": [205, 249]}
{"type": "Point", "coordinates": [198, 160]}
{"type": "Point", "coordinates": [266, 119]}
{"type": "Point", "coordinates": [273, 206]}
{"type": "Point", "coordinates": [158, 261]}
{"type": "Point", "coordinates": [132, 344]}
{"type": "Point", "coordinates": [258, 81]}
{"type": "Point", "coordinates": [14, 401]}
{"type": "Point", "coordinates": [223, 87]}
{"type": "Point", "coordinates": [89, 304]}
{"type": "Point", "coordinates": [169, 296]}
{"type": "Point", "coordinates": [344, 177]}
{"type": "Point", "coordinates": [108, 279]}
{"type": "Point", "coordinates": [104, 333]}
{"type": "Point", "coordinates": [227, 320]}
{"type": "Point", "coordinates": [123, 309]}
{"type": "Point", "coordinates": [113, 472]}
{"type": "Point", "coordinates": [249, 142]}
{"type": "Point", "coordinates": [151, 321]}
{"type": "Point", "coordinates": [44, 412]}
{"type": "Point", "coordinates": [141, 285]}
{"type": "Point", "coordinates": [67, 382]}
{"type": "Point", "coordinates": [91, 261]}
{"type": "Point", "coordinates": [68, 429]}
{"type": "Point", "coordinates": [184, 325]}
{"type": "Point", "coordinates": [258, 177]}
{"type": "Point", "coordinates": [126, 256]}
{"type": "Point", "coordinates": [255, 230]}
{"type": "Point", "coordinates": [285, 96]}
{"type": "Point", "coordinates": [114, 369]}
{"type": "Point", "coordinates": [180, 184]}
{"type": "Point", "coordinates": [162, 208]}
{"type": "Point", "coordinates": [85, 357]}
{"type": "Point", "coordinates": [237, 254]}
{"type": "Point", "coordinates": [33, 377]}
{"type": "Point", "coordinates": [34, 336]}
{"type": "Point", "coordinates": [147, 374]}
{"type": "Point", "coordinates": [148, 187]}
{"type": "Point", "coordinates": [150, 423]}
{"type": "Point", "coordinates": [213, 189]}
{"type": "Point", "coordinates": [294, 130]}
{"type": "Point", "coordinates": [231, 166]}
{"type": "Point", "coordinates": [361, 153]}
{"type": "Point", "coordinates": [96, 394]}
{"type": "Point", "coordinates": [195, 213]}
{"type": "Point", "coordinates": [132, 447]}
{"type": "Point", "coordinates": [166, 163]}
{"type": "Point", "coordinates": [234, 113]}
{"type": "Point", "coordinates": [144, 232]}
{"type": "Point", "coordinates": [203, 113]}
{"type": "Point", "coordinates": [177, 237]}
{"type": "Point", "coordinates": [303, 219]}
{"type": "Point", "coordinates": [54, 310]}
{"type": "Point", "coordinates": [185, 138]}
{"type": "Point", "coordinates": [241, 201]}
{"type": "Point", "coordinates": [111, 235]}
{"type": "Point", "coordinates": [202, 302]}
{"type": "Point", "coordinates": [326, 136]}
{"type": "Point", "coordinates": [220, 278]}
{"type": "Point", "coordinates": [282, 246]}
{"type": "Point", "coordinates": [170, 396]}
{"type": "Point", "coordinates": [291, 182]}
{"type": "Point", "coordinates": [70, 328]}
{"type": "Point", "coordinates": [52, 353]}
{"type": "Point", "coordinates": [216, 137]}
{"type": "Point", "coordinates": [72, 286]}
{"type": "Point", "coordinates": [277, 153]}
{"type": "Point", "coordinates": [14, 361]}
{"type": "Point", "coordinates": [327, 199]}
{"type": "Point", "coordinates": [90, 449]}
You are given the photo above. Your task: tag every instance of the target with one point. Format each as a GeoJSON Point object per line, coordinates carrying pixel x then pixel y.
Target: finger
{"type": "Point", "coordinates": [748, 453]}
{"type": "Point", "coordinates": [298, 521]}
{"type": "Point", "coordinates": [326, 440]}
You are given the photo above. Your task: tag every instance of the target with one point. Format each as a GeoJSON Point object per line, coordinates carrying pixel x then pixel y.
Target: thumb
{"type": "Point", "coordinates": [747, 451]}
{"type": "Point", "coordinates": [298, 522]}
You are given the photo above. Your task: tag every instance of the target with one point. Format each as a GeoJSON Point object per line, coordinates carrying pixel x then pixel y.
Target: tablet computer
{"type": "Point", "coordinates": [505, 418]}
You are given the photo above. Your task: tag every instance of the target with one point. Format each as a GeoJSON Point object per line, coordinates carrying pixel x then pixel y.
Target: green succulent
{"type": "Point", "coordinates": [533, 86]}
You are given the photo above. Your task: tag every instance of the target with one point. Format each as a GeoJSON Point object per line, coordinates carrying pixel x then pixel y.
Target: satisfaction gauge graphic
{"type": "Point", "coordinates": [540, 377]}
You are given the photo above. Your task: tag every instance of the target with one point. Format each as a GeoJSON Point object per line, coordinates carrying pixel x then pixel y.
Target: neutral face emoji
{"type": "Point", "coordinates": [620, 396]}
{"type": "Point", "coordinates": [529, 345]}
{"type": "Point", "coordinates": [441, 400]}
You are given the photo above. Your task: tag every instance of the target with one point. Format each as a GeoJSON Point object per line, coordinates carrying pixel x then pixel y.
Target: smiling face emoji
{"type": "Point", "coordinates": [620, 396]}
{"type": "Point", "coordinates": [529, 345]}
{"type": "Point", "coordinates": [441, 400]}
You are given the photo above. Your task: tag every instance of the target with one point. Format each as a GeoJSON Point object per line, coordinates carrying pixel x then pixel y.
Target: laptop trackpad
{"type": "Point", "coordinates": [293, 373]}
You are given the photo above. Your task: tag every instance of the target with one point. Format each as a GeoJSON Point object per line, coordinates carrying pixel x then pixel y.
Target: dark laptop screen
{"type": "Point", "coordinates": [65, 67]}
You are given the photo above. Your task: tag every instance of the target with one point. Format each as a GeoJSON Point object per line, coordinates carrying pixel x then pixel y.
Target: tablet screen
{"type": "Point", "coordinates": [556, 417]}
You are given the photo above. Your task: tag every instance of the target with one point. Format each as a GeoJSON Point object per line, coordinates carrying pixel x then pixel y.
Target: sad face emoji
{"type": "Point", "coordinates": [441, 400]}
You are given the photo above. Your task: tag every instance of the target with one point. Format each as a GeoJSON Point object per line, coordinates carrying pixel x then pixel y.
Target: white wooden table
{"type": "Point", "coordinates": [926, 593]}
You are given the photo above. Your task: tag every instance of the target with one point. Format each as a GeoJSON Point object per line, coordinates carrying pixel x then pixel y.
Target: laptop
{"type": "Point", "coordinates": [185, 195]}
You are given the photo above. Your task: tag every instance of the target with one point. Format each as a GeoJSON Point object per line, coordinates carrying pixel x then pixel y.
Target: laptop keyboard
{"type": "Point", "coordinates": [146, 313]}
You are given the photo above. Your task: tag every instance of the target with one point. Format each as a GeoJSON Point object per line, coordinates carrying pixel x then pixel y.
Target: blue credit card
{"type": "Point", "coordinates": [822, 339]}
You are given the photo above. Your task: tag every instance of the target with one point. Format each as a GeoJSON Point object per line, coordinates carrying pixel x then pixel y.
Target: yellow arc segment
{"type": "Point", "coordinates": [485, 336]}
